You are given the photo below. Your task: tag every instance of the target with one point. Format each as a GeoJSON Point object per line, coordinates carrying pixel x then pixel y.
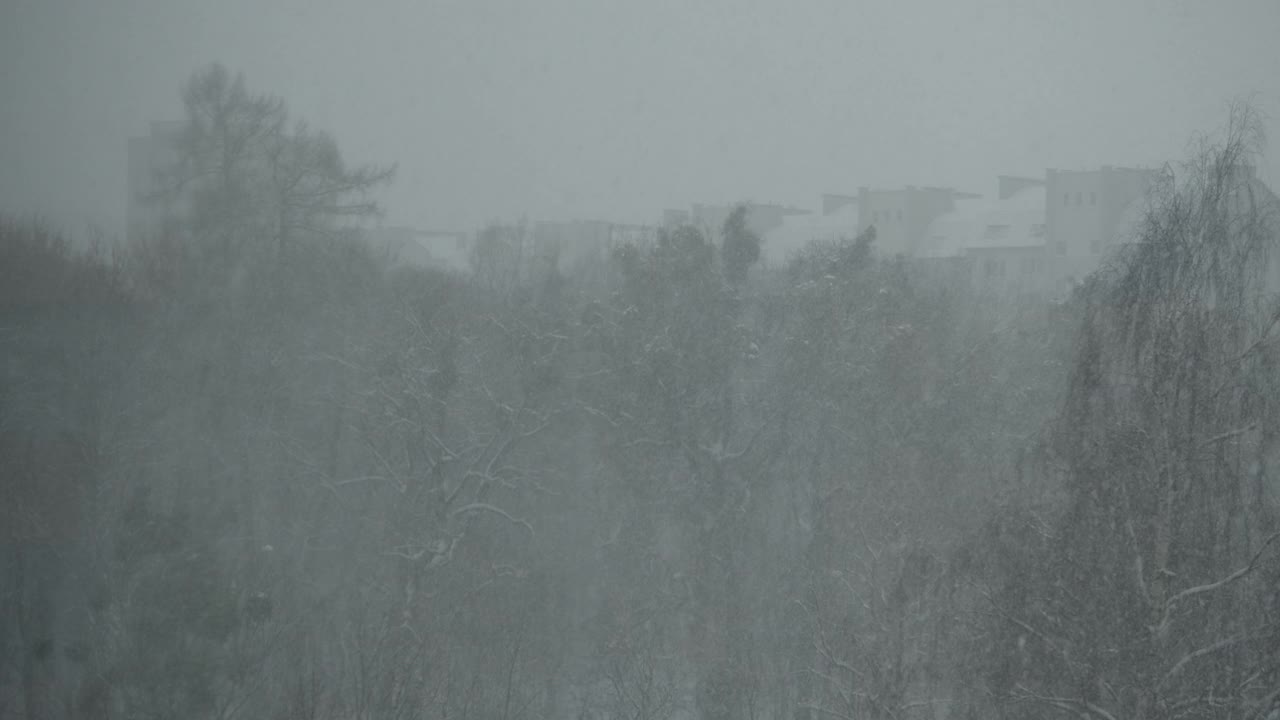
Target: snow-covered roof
{"type": "Point", "coordinates": [1017, 221]}
{"type": "Point", "coordinates": [797, 231]}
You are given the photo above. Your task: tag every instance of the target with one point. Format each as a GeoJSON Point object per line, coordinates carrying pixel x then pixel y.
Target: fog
{"type": "Point", "coordinates": [669, 361]}
{"type": "Point", "coordinates": [566, 109]}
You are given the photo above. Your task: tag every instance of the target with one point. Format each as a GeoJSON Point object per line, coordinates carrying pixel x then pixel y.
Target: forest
{"type": "Point", "coordinates": [250, 469]}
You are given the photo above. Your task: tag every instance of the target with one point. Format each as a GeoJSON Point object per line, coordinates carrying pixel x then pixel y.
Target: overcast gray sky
{"type": "Point", "coordinates": [590, 108]}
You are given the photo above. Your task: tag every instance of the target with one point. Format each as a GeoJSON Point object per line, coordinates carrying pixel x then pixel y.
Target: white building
{"type": "Point", "coordinates": [1039, 237]}
{"type": "Point", "coordinates": [443, 250]}
{"type": "Point", "coordinates": [837, 223]}
{"type": "Point", "coordinates": [1000, 240]}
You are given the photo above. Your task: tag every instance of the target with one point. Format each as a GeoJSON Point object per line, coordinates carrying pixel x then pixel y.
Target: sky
{"type": "Point", "coordinates": [562, 109]}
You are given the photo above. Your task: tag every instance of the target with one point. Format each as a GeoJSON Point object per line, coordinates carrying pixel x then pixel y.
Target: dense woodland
{"type": "Point", "coordinates": [250, 470]}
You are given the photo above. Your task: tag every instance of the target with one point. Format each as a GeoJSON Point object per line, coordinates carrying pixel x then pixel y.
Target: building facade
{"type": "Point", "coordinates": [902, 217]}
{"type": "Point", "coordinates": [1084, 211]}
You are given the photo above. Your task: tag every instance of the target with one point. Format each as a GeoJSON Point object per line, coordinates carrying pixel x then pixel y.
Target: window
{"type": "Point", "coordinates": [1066, 198]}
{"type": "Point", "coordinates": [1078, 198]}
{"type": "Point", "coordinates": [899, 216]}
{"type": "Point", "coordinates": [994, 267]}
{"type": "Point", "coordinates": [1037, 230]}
{"type": "Point", "coordinates": [875, 216]}
{"type": "Point", "coordinates": [1093, 198]}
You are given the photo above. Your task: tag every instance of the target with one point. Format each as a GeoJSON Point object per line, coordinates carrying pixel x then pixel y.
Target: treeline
{"type": "Point", "coordinates": [250, 471]}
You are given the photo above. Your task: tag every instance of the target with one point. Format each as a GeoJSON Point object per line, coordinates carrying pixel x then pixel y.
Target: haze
{"type": "Point", "coordinates": [701, 361]}
{"type": "Point", "coordinates": [568, 109]}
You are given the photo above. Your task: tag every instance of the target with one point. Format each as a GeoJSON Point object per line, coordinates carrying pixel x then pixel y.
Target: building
{"type": "Point", "coordinates": [440, 249]}
{"type": "Point", "coordinates": [1084, 211]}
{"type": "Point", "coordinates": [570, 245]}
{"type": "Point", "coordinates": [149, 157]}
{"type": "Point", "coordinates": [673, 218]}
{"type": "Point", "coordinates": [772, 222]}
{"type": "Point", "coordinates": [1001, 241]}
{"type": "Point", "coordinates": [832, 202]}
{"type": "Point", "coordinates": [1037, 237]}
{"type": "Point", "coordinates": [761, 217]}
{"type": "Point", "coordinates": [902, 217]}
{"type": "Point", "coordinates": [838, 221]}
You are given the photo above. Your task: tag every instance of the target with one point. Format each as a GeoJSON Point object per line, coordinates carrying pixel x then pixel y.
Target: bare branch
{"type": "Point", "coordinates": [1067, 704]}
{"type": "Point", "coordinates": [490, 508]}
{"type": "Point", "coordinates": [1206, 650]}
{"type": "Point", "coordinates": [1210, 587]}
{"type": "Point", "coordinates": [1228, 435]}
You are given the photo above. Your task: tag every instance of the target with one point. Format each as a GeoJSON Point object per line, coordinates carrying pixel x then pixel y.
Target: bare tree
{"type": "Point", "coordinates": [1150, 599]}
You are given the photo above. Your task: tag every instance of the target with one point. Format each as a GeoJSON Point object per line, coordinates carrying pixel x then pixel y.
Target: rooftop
{"type": "Point", "coordinates": [981, 223]}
